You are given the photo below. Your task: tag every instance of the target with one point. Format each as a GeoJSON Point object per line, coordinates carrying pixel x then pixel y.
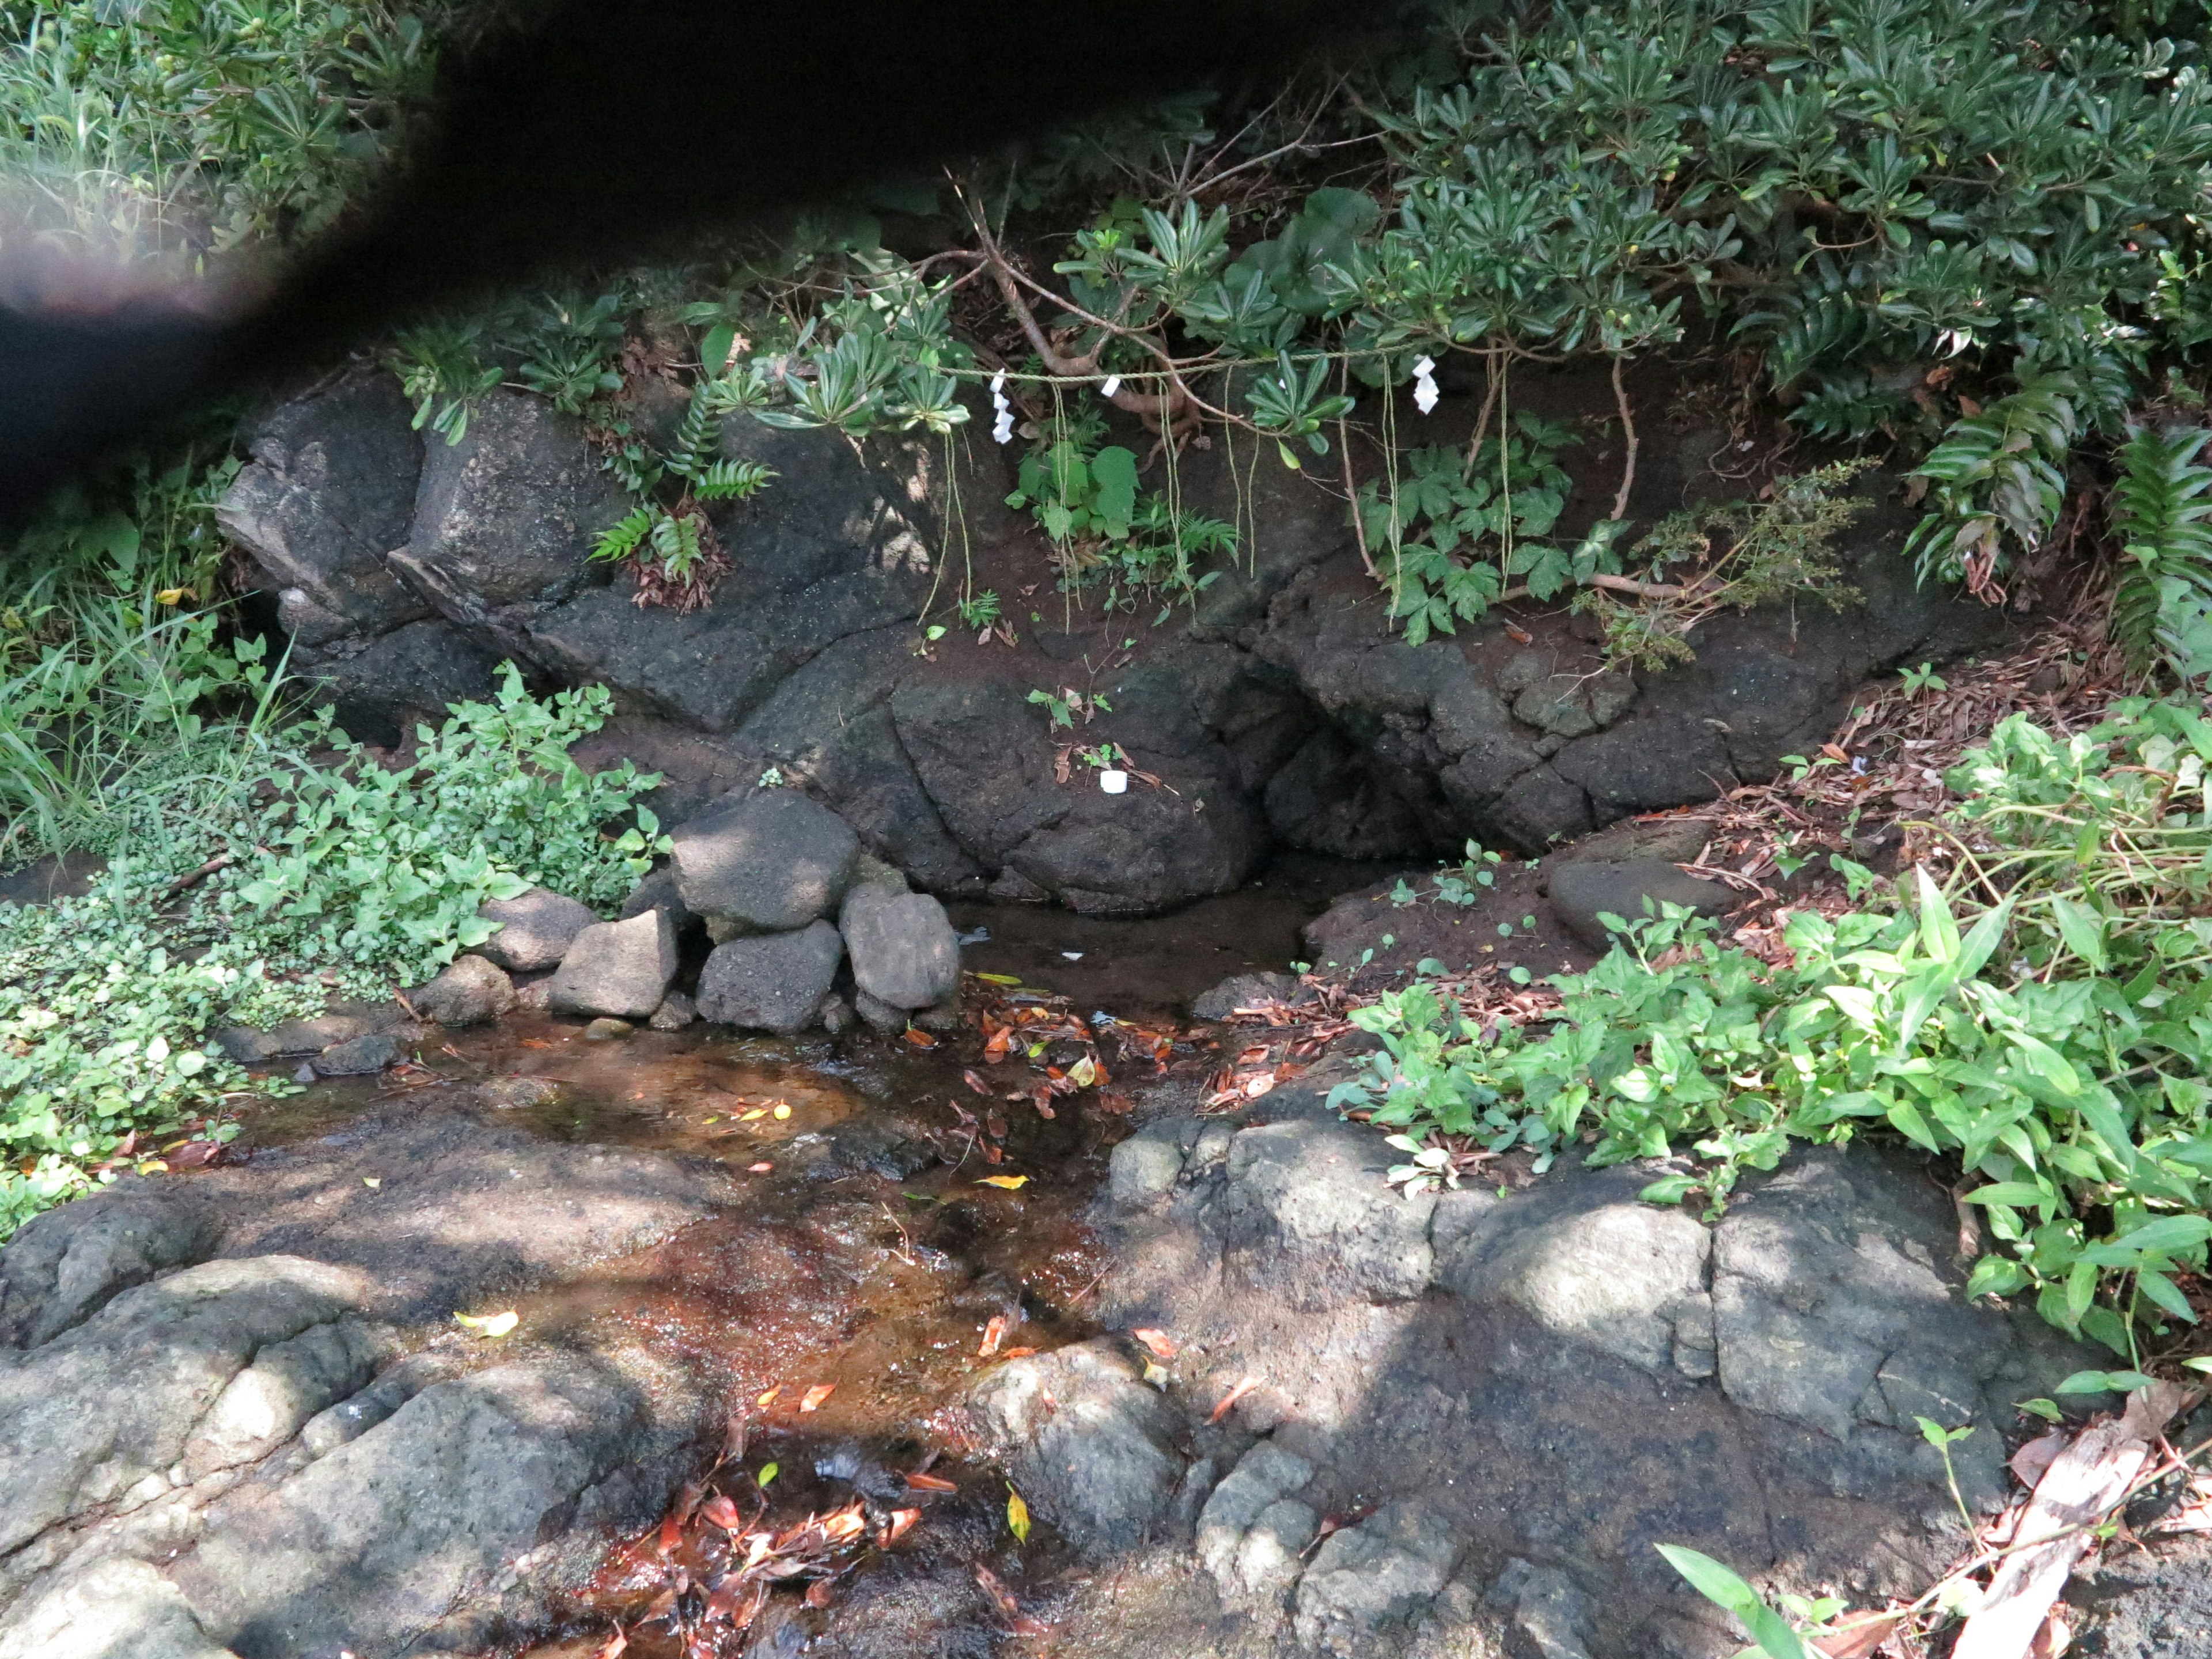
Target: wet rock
{"type": "Point", "coordinates": [878, 1015]}
{"type": "Point", "coordinates": [385, 688]}
{"type": "Point", "coordinates": [1013, 886]}
{"type": "Point", "coordinates": [511, 1094]}
{"type": "Point", "coordinates": [1306, 1213]}
{"type": "Point", "coordinates": [904, 952]}
{"type": "Point", "coordinates": [1649, 763]}
{"type": "Point", "coordinates": [768, 862]}
{"type": "Point", "coordinates": [63, 1266]}
{"type": "Point", "coordinates": [941, 1017]}
{"type": "Point", "coordinates": [1368, 1583]}
{"type": "Point", "coordinates": [1582, 892]}
{"type": "Point", "coordinates": [100, 1414]}
{"type": "Point", "coordinates": [675, 1012]}
{"type": "Point", "coordinates": [330, 489]}
{"type": "Point", "coordinates": [1668, 839]}
{"type": "Point", "coordinates": [1251, 1533]}
{"type": "Point", "coordinates": [311, 1036]}
{"type": "Point", "coordinates": [1551, 1614]}
{"type": "Point", "coordinates": [506, 517]}
{"type": "Point", "coordinates": [469, 992]}
{"type": "Point", "coordinates": [1145, 1167]}
{"type": "Point", "coordinates": [1244, 991]}
{"type": "Point", "coordinates": [604, 1029]}
{"type": "Point", "coordinates": [618, 968]}
{"type": "Point", "coordinates": [771, 981]}
{"type": "Point", "coordinates": [535, 929]}
{"type": "Point", "coordinates": [1085, 1441]}
{"type": "Point", "coordinates": [835, 1015]}
{"type": "Point", "coordinates": [361, 1056]}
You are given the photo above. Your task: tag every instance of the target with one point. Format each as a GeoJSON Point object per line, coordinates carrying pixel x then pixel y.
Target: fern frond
{"type": "Point", "coordinates": [732, 481]}
{"type": "Point", "coordinates": [676, 545]}
{"type": "Point", "coordinates": [698, 434]}
{"type": "Point", "coordinates": [2162, 513]}
{"type": "Point", "coordinates": [626, 535]}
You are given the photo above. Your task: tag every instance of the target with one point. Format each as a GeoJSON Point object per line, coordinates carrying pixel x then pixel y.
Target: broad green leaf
{"type": "Point", "coordinates": [2082, 929]}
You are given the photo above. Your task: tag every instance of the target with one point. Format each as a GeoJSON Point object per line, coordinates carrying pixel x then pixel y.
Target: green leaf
{"type": "Point", "coordinates": [2082, 929]}
{"type": "Point", "coordinates": [1722, 1586]}
{"type": "Point", "coordinates": [2103, 1382]}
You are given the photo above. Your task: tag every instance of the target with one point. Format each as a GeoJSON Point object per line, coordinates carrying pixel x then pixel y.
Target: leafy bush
{"type": "Point", "coordinates": [2162, 610]}
{"type": "Point", "coordinates": [2043, 1022]}
{"type": "Point", "coordinates": [338, 874]}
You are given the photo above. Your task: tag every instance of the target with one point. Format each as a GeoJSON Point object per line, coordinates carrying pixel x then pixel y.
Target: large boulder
{"type": "Point", "coordinates": [535, 929]}
{"type": "Point", "coordinates": [381, 689]}
{"type": "Point", "coordinates": [330, 491]}
{"type": "Point", "coordinates": [904, 951]}
{"type": "Point", "coordinates": [620, 968]}
{"type": "Point", "coordinates": [1585, 889]}
{"type": "Point", "coordinates": [770, 982]}
{"type": "Point", "coordinates": [63, 1266]}
{"type": "Point", "coordinates": [469, 992]}
{"type": "Point", "coordinates": [1367, 1584]}
{"type": "Point", "coordinates": [768, 860]}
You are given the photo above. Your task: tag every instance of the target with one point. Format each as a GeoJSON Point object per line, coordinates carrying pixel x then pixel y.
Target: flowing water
{"type": "Point", "coordinates": [893, 1223]}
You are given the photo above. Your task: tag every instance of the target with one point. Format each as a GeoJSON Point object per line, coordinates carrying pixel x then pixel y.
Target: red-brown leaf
{"type": "Point", "coordinates": [819, 1593]}
{"type": "Point", "coordinates": [994, 1333]}
{"type": "Point", "coordinates": [1244, 1386]}
{"type": "Point", "coordinates": [814, 1396]}
{"type": "Point", "coordinates": [931, 1483]}
{"type": "Point", "coordinates": [974, 1079]}
{"type": "Point", "coordinates": [1159, 1343]}
{"type": "Point", "coordinates": [720, 1511]}
{"type": "Point", "coordinates": [896, 1527]}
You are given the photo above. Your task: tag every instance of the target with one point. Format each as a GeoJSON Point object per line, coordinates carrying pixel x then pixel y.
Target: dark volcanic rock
{"type": "Point", "coordinates": [1583, 890]}
{"type": "Point", "coordinates": [535, 929]}
{"type": "Point", "coordinates": [330, 491]}
{"type": "Point", "coordinates": [412, 674]}
{"type": "Point", "coordinates": [768, 861]}
{"type": "Point", "coordinates": [904, 950]}
{"type": "Point", "coordinates": [62, 1266]}
{"type": "Point", "coordinates": [620, 968]}
{"type": "Point", "coordinates": [468, 992]}
{"type": "Point", "coordinates": [770, 982]}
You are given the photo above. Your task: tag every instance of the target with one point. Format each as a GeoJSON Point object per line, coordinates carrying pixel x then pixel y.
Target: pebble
{"type": "Point", "coordinates": [604, 1029]}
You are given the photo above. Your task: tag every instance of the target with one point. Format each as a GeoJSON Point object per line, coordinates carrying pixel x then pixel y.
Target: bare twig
{"type": "Point", "coordinates": [1628, 436]}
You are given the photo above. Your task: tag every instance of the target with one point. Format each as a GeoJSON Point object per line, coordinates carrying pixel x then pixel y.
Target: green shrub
{"type": "Point", "coordinates": [2046, 1022]}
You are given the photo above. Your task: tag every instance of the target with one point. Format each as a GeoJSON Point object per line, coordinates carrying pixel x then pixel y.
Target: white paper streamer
{"type": "Point", "coordinates": [1424, 384]}
{"type": "Point", "coordinates": [1002, 429]}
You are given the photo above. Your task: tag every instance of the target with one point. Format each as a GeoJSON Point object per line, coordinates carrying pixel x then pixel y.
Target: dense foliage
{"type": "Point", "coordinates": [2045, 1017]}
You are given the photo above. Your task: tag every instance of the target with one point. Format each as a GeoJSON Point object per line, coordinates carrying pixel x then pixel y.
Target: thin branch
{"type": "Point", "coordinates": [1350, 491]}
{"type": "Point", "coordinates": [1628, 434]}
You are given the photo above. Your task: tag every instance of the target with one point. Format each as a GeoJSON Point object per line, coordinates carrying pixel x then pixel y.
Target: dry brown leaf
{"type": "Point", "coordinates": [819, 1593]}
{"type": "Point", "coordinates": [994, 1333]}
{"type": "Point", "coordinates": [1244, 1386]}
{"type": "Point", "coordinates": [2032, 1461]}
{"type": "Point", "coordinates": [1159, 1343]}
{"type": "Point", "coordinates": [1860, 1641]}
{"type": "Point", "coordinates": [720, 1511]}
{"type": "Point", "coordinates": [616, 1646]}
{"type": "Point", "coordinates": [930, 1483]}
{"type": "Point", "coordinates": [974, 1079]}
{"type": "Point", "coordinates": [897, 1527]}
{"type": "Point", "coordinates": [812, 1399]}
{"type": "Point", "coordinates": [2054, 1639]}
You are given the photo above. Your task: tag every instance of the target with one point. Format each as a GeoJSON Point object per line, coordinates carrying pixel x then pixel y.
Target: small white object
{"type": "Point", "coordinates": [1424, 384]}
{"type": "Point", "coordinates": [1113, 782]}
{"type": "Point", "coordinates": [1002, 429]}
{"type": "Point", "coordinates": [1113, 384]}
{"type": "Point", "coordinates": [1073, 956]}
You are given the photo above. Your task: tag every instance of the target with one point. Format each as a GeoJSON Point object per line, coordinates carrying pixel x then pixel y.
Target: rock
{"type": "Point", "coordinates": [1306, 1213]}
{"type": "Point", "coordinates": [1582, 892]}
{"type": "Point", "coordinates": [904, 952]}
{"type": "Point", "coordinates": [1651, 761]}
{"type": "Point", "coordinates": [506, 518]}
{"type": "Point", "coordinates": [770, 862]}
{"type": "Point", "coordinates": [100, 1414]}
{"type": "Point", "coordinates": [361, 1056]}
{"type": "Point", "coordinates": [675, 1012]}
{"type": "Point", "coordinates": [116, 1608]}
{"type": "Point", "coordinates": [620, 968]}
{"type": "Point", "coordinates": [771, 982]}
{"type": "Point", "coordinates": [878, 1015]}
{"type": "Point", "coordinates": [63, 1266]}
{"type": "Point", "coordinates": [657, 892]}
{"type": "Point", "coordinates": [468, 992]}
{"type": "Point", "coordinates": [1250, 1533]}
{"type": "Point", "coordinates": [1550, 1613]}
{"type": "Point", "coordinates": [1085, 1440]}
{"type": "Point", "coordinates": [1145, 1167]}
{"type": "Point", "coordinates": [1574, 705]}
{"type": "Point", "coordinates": [331, 490]}
{"type": "Point", "coordinates": [835, 1015]}
{"type": "Point", "coordinates": [535, 929]}
{"type": "Point", "coordinates": [535, 994]}
{"type": "Point", "coordinates": [342, 1023]}
{"type": "Point", "coordinates": [1618, 1276]}
{"type": "Point", "coordinates": [372, 1546]}
{"type": "Point", "coordinates": [604, 1029]}
{"type": "Point", "coordinates": [1244, 991]}
{"type": "Point", "coordinates": [1013, 886]}
{"type": "Point", "coordinates": [1536, 809]}
{"type": "Point", "coordinates": [382, 690]}
{"type": "Point", "coordinates": [1368, 1582]}
{"type": "Point", "coordinates": [1675, 839]}
{"type": "Point", "coordinates": [512, 1094]}
{"type": "Point", "coordinates": [941, 1017]}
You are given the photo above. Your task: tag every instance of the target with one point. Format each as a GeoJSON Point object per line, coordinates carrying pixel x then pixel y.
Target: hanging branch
{"type": "Point", "coordinates": [1628, 433]}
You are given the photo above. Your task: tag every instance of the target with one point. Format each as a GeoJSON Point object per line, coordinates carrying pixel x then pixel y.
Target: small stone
{"type": "Point", "coordinates": [675, 1012]}
{"type": "Point", "coordinates": [835, 1015]}
{"type": "Point", "coordinates": [620, 968]}
{"type": "Point", "coordinates": [1244, 991]}
{"type": "Point", "coordinates": [1582, 892]}
{"type": "Point", "coordinates": [604, 1029]}
{"type": "Point", "coordinates": [512, 1094]}
{"type": "Point", "coordinates": [361, 1057]}
{"type": "Point", "coordinates": [942, 1018]}
{"type": "Point", "coordinates": [468, 992]}
{"type": "Point", "coordinates": [535, 994]}
{"type": "Point", "coordinates": [535, 929]}
{"type": "Point", "coordinates": [1013, 884]}
{"type": "Point", "coordinates": [879, 1013]}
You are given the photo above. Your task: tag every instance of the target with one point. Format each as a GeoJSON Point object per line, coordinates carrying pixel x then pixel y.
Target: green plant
{"type": "Point", "coordinates": [1083, 492]}
{"type": "Point", "coordinates": [1066, 705]}
{"type": "Point", "coordinates": [1922, 678]}
{"type": "Point", "coordinates": [670, 542]}
{"type": "Point", "coordinates": [2161, 504]}
{"type": "Point", "coordinates": [980, 610]}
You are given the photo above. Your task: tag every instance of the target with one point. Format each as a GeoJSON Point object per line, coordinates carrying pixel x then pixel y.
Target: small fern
{"type": "Point", "coordinates": [2162, 513]}
{"type": "Point", "coordinates": [698, 434]}
{"type": "Point", "coordinates": [732, 481]}
{"type": "Point", "coordinates": [676, 545]}
{"type": "Point", "coordinates": [626, 535]}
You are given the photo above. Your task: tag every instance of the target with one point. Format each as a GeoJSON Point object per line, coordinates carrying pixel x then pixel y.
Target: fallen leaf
{"type": "Point", "coordinates": [720, 1511]}
{"type": "Point", "coordinates": [757, 1112]}
{"type": "Point", "coordinates": [918, 1038]}
{"type": "Point", "coordinates": [1017, 1353]}
{"type": "Point", "coordinates": [2054, 1639]}
{"type": "Point", "coordinates": [371, 1181]}
{"type": "Point", "coordinates": [1017, 1516]}
{"type": "Point", "coordinates": [192, 1154]}
{"type": "Point", "coordinates": [767, 1475]}
{"type": "Point", "coordinates": [781, 1112]}
{"type": "Point", "coordinates": [930, 1483]}
{"type": "Point", "coordinates": [974, 1079]}
{"type": "Point", "coordinates": [999, 979]}
{"type": "Point", "coordinates": [1244, 1386]}
{"type": "Point", "coordinates": [1009, 1182]}
{"type": "Point", "coordinates": [994, 1333]}
{"type": "Point", "coordinates": [812, 1399]}
{"type": "Point", "coordinates": [1086, 1072]}
{"type": "Point", "coordinates": [1161, 1344]}
{"type": "Point", "coordinates": [616, 1646]}
{"type": "Point", "coordinates": [489, 1325]}
{"type": "Point", "coordinates": [760, 1169]}
{"type": "Point", "coordinates": [767, 1398]}
{"type": "Point", "coordinates": [897, 1527]}
{"type": "Point", "coordinates": [2032, 1461]}
{"type": "Point", "coordinates": [819, 1593]}
{"type": "Point", "coordinates": [997, 1591]}
{"type": "Point", "coordinates": [1859, 1640]}
{"type": "Point", "coordinates": [1520, 635]}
